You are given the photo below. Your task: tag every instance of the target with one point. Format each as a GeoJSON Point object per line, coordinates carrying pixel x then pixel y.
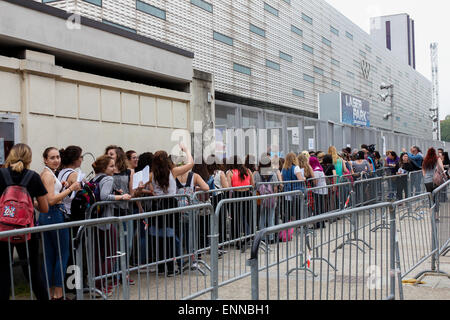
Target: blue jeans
{"type": "Point", "coordinates": [56, 246]}
{"type": "Point", "coordinates": [128, 227]}
{"type": "Point", "coordinates": [266, 218]}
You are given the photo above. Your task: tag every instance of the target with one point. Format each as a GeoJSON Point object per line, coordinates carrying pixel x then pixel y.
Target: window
{"type": "Point", "coordinates": [298, 93]}
{"type": "Point", "coordinates": [336, 83]}
{"type": "Point", "coordinates": [272, 65]}
{"type": "Point", "coordinates": [95, 2]}
{"type": "Point", "coordinates": [335, 62]}
{"type": "Point", "coordinates": [351, 75]}
{"type": "Point", "coordinates": [147, 8]}
{"type": "Point", "coordinates": [242, 69]}
{"type": "Point", "coordinates": [349, 35]}
{"type": "Point", "coordinates": [368, 49]}
{"type": "Point", "coordinates": [356, 63]}
{"type": "Point", "coordinates": [374, 68]}
{"type": "Point", "coordinates": [334, 30]}
{"type": "Point", "coordinates": [270, 9]}
{"type": "Point", "coordinates": [319, 71]}
{"type": "Point", "coordinates": [287, 1]}
{"type": "Point", "coordinates": [307, 18]}
{"type": "Point", "coordinates": [222, 38]}
{"type": "Point", "coordinates": [257, 30]}
{"type": "Point", "coordinates": [308, 48]}
{"type": "Point", "coordinates": [297, 30]}
{"type": "Point", "coordinates": [285, 56]}
{"type": "Point", "coordinates": [308, 78]}
{"type": "Point", "coordinates": [326, 41]}
{"type": "Point", "coordinates": [379, 60]}
{"type": "Point", "coordinates": [118, 26]}
{"type": "Point", "coordinates": [203, 4]}
{"type": "Point", "coordinates": [362, 54]}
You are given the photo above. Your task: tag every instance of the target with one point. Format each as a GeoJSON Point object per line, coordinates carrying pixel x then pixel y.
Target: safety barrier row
{"type": "Point", "coordinates": [207, 251]}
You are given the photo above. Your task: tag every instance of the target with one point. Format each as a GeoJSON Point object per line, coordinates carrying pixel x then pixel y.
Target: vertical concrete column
{"type": "Point", "coordinates": [203, 110]}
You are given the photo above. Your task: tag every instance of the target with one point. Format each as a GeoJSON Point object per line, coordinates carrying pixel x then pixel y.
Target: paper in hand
{"type": "Point", "coordinates": [141, 176]}
{"type": "Point", "coordinates": [146, 175]}
{"type": "Point", "coordinates": [137, 178]}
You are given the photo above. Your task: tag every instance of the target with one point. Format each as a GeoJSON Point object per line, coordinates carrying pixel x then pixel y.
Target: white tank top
{"type": "Point", "coordinates": [58, 185]}
{"type": "Point", "coordinates": [171, 191]}
{"type": "Point", "coordinates": [63, 176]}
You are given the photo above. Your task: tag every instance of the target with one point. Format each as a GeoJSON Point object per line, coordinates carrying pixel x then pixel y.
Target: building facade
{"type": "Point", "coordinates": [397, 34]}
{"type": "Point", "coordinates": [280, 53]}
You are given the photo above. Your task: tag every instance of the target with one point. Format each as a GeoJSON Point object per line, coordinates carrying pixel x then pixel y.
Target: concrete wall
{"type": "Point", "coordinates": [59, 107]}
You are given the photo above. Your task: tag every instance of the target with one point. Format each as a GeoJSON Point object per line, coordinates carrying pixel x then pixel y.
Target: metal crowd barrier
{"type": "Point", "coordinates": [166, 237]}
{"type": "Point", "coordinates": [292, 273]}
{"type": "Point", "coordinates": [415, 223]}
{"type": "Point", "coordinates": [172, 248]}
{"type": "Point", "coordinates": [160, 259]}
{"type": "Point", "coordinates": [234, 226]}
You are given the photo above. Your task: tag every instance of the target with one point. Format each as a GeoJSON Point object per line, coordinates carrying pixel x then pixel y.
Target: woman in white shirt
{"type": "Point", "coordinates": [56, 243]}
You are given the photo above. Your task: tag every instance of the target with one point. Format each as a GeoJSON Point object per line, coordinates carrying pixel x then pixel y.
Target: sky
{"type": "Point", "coordinates": [431, 24]}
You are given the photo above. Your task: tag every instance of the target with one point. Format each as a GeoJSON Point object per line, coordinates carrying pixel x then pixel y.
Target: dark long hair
{"type": "Point", "coordinates": [250, 163]}
{"type": "Point", "coordinates": [213, 165]}
{"type": "Point", "coordinates": [70, 155]}
{"type": "Point", "coordinates": [430, 161]}
{"type": "Point", "coordinates": [121, 160]}
{"type": "Point", "coordinates": [161, 168]}
{"type": "Point", "coordinates": [145, 159]}
{"type": "Point", "coordinates": [201, 170]}
{"type": "Point", "coordinates": [237, 165]}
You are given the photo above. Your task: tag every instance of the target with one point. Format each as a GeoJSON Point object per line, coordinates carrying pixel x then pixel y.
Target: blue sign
{"type": "Point", "coordinates": [355, 111]}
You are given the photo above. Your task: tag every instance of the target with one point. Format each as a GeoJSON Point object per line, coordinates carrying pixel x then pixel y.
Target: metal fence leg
{"type": "Point", "coordinates": [253, 263]}
{"type": "Point", "coordinates": [79, 263]}
{"type": "Point", "coordinates": [214, 256]}
{"type": "Point", "coordinates": [123, 262]}
{"type": "Point", "coordinates": [393, 256]}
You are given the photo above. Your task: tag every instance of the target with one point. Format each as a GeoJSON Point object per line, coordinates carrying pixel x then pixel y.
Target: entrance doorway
{"type": "Point", "coordinates": [9, 131]}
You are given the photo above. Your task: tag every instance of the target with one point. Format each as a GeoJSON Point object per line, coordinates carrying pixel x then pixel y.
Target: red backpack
{"type": "Point", "coordinates": [16, 207]}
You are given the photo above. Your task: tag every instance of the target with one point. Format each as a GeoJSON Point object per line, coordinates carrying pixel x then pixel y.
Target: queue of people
{"type": "Point", "coordinates": [54, 189]}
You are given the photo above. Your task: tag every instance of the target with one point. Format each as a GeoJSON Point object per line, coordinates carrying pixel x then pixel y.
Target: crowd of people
{"type": "Point", "coordinates": [55, 187]}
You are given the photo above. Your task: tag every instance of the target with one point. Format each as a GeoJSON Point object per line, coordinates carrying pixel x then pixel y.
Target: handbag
{"type": "Point", "coordinates": [439, 177]}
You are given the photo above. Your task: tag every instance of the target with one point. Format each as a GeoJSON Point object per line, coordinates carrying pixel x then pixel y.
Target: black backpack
{"type": "Point", "coordinates": [85, 198]}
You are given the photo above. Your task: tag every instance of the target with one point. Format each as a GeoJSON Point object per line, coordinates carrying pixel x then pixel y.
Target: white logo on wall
{"type": "Point", "coordinates": [365, 67]}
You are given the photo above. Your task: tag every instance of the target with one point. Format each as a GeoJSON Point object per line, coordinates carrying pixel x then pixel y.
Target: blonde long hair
{"type": "Point", "coordinates": [291, 159]}
{"type": "Point", "coordinates": [303, 163]}
{"type": "Point", "coordinates": [333, 152]}
{"type": "Point", "coordinates": [19, 158]}
{"type": "Point", "coordinates": [306, 154]}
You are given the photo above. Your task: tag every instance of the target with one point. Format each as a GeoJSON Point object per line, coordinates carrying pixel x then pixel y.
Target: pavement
{"type": "Point", "coordinates": [357, 270]}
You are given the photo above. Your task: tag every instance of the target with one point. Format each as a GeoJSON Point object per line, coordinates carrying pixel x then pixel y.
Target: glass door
{"type": "Point", "coordinates": [9, 126]}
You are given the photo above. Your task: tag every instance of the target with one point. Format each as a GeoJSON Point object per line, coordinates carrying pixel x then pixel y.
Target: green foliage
{"type": "Point", "coordinates": [445, 129]}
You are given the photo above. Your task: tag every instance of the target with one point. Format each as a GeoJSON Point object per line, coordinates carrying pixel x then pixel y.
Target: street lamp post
{"type": "Point", "coordinates": [390, 95]}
